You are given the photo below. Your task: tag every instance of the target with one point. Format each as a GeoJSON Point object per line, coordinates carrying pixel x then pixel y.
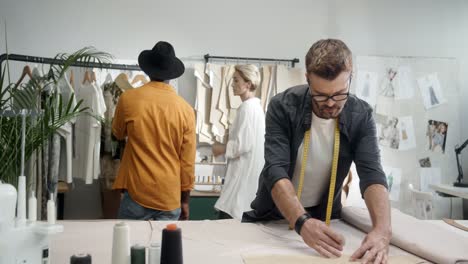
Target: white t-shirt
{"type": "Point", "coordinates": [319, 161]}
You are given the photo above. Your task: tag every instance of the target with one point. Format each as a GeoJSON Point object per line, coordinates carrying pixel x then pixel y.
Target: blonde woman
{"type": "Point", "coordinates": [244, 150]}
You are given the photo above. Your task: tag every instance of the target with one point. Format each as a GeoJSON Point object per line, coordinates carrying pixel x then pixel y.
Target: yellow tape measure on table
{"type": "Point", "coordinates": [336, 151]}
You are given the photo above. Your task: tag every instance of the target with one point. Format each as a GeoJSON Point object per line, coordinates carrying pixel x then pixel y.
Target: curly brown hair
{"type": "Point", "coordinates": [327, 58]}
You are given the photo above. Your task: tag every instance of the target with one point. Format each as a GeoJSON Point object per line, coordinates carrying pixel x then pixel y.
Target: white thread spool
{"type": "Point", "coordinates": [121, 244]}
{"type": "Point", "coordinates": [32, 207]}
{"type": "Point", "coordinates": [154, 253]}
{"type": "Point", "coordinates": [21, 209]}
{"type": "Point", "coordinates": [51, 210]}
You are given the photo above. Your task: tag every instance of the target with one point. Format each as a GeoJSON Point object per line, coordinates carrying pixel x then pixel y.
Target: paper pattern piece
{"type": "Point", "coordinates": [431, 90]}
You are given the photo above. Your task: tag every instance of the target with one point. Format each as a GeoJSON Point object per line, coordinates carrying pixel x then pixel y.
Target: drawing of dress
{"type": "Point", "coordinates": [434, 100]}
{"type": "Point", "coordinates": [404, 134]}
{"type": "Point", "coordinates": [390, 181]}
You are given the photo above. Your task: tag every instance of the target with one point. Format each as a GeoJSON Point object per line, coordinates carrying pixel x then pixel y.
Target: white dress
{"type": "Point", "coordinates": [244, 152]}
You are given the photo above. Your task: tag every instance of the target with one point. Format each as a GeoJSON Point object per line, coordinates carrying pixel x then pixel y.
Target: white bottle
{"type": "Point", "coordinates": [32, 207]}
{"type": "Point", "coordinates": [51, 210]}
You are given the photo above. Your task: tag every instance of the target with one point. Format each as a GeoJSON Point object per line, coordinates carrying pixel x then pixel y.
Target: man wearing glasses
{"type": "Point", "coordinates": [295, 180]}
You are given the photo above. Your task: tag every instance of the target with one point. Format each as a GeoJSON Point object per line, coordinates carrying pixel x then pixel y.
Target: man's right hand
{"type": "Point", "coordinates": [317, 235]}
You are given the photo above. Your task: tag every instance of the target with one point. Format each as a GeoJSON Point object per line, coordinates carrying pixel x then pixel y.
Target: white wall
{"type": "Point", "coordinates": [262, 28]}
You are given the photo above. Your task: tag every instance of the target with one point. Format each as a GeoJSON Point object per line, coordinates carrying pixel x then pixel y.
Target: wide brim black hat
{"type": "Point", "coordinates": [161, 63]}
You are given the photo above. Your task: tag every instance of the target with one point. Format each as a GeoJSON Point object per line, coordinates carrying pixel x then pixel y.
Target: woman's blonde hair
{"type": "Point", "coordinates": [249, 73]}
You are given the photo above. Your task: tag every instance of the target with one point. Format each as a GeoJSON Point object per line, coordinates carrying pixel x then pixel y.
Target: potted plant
{"type": "Point", "coordinates": [45, 113]}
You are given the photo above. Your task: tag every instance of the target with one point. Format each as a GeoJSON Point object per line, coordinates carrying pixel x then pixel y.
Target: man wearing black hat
{"type": "Point", "coordinates": [156, 173]}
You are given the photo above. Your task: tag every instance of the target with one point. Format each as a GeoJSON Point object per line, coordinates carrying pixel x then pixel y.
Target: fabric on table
{"type": "Point", "coordinates": [421, 238]}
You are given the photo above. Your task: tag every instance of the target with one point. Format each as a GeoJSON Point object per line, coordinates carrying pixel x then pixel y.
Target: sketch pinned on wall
{"type": "Point", "coordinates": [436, 136]}
{"type": "Point", "coordinates": [425, 162]}
{"type": "Point", "coordinates": [387, 131]}
{"type": "Point", "coordinates": [429, 176]}
{"type": "Point", "coordinates": [407, 138]}
{"type": "Point", "coordinates": [388, 84]}
{"type": "Point", "coordinates": [366, 86]}
{"type": "Point", "coordinates": [393, 180]}
{"type": "Point", "coordinates": [431, 91]}
{"type": "Point", "coordinates": [404, 83]}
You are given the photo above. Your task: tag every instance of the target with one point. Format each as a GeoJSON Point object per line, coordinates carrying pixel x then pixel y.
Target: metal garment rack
{"type": "Point", "coordinates": [44, 60]}
{"type": "Point", "coordinates": [208, 57]}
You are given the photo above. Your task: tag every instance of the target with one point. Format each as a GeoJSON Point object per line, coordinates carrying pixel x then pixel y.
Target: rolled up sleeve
{"type": "Point", "coordinates": [277, 145]}
{"type": "Point", "coordinates": [367, 156]}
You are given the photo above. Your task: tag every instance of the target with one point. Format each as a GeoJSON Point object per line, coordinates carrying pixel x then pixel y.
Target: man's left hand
{"type": "Point", "coordinates": [184, 211]}
{"type": "Point", "coordinates": [374, 248]}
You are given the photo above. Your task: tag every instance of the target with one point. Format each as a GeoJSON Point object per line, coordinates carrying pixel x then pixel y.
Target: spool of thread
{"type": "Point", "coordinates": [21, 209]}
{"type": "Point", "coordinates": [138, 254]}
{"type": "Point", "coordinates": [154, 253]}
{"type": "Point", "coordinates": [80, 259]}
{"type": "Point", "coordinates": [171, 245]}
{"type": "Point", "coordinates": [121, 244]}
{"type": "Point", "coordinates": [32, 207]}
{"type": "Point", "coordinates": [51, 210]}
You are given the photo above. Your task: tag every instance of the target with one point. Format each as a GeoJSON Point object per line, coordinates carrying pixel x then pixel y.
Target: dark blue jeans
{"type": "Point", "coordinates": [129, 209]}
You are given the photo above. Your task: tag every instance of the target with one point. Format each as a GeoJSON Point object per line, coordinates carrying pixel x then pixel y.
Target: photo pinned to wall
{"type": "Point", "coordinates": [393, 180]}
{"type": "Point", "coordinates": [387, 131]}
{"type": "Point", "coordinates": [367, 86]}
{"type": "Point", "coordinates": [388, 83]}
{"type": "Point", "coordinates": [425, 162]}
{"type": "Point", "coordinates": [436, 136]}
{"type": "Point", "coordinates": [404, 83]}
{"type": "Point", "coordinates": [429, 176]}
{"type": "Point", "coordinates": [407, 139]}
{"type": "Point", "coordinates": [431, 91]}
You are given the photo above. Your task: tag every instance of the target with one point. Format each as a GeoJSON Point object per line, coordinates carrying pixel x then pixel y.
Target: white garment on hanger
{"type": "Point", "coordinates": [100, 111]}
{"type": "Point", "coordinates": [244, 152]}
{"type": "Point", "coordinates": [88, 130]}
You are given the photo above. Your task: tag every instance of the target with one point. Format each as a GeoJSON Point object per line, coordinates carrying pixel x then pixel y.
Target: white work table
{"type": "Point", "coordinates": [219, 241]}
{"type": "Point", "coordinates": [451, 190]}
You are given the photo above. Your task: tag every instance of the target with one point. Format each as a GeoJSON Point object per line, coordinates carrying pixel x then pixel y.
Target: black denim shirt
{"type": "Point", "coordinates": [288, 117]}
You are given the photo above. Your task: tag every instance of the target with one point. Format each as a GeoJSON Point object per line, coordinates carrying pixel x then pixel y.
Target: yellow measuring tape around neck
{"type": "Point", "coordinates": [336, 151]}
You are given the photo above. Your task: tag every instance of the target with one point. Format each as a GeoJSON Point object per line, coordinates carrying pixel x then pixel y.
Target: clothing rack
{"type": "Point", "coordinates": [43, 60]}
{"type": "Point", "coordinates": [208, 57]}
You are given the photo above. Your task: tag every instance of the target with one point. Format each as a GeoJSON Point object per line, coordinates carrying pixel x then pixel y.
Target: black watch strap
{"type": "Point", "coordinates": [300, 222]}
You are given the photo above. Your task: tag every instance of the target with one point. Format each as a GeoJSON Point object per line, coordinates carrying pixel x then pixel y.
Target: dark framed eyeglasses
{"type": "Point", "coordinates": [336, 97]}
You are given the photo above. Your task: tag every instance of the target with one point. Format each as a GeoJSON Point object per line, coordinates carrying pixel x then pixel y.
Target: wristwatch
{"type": "Point", "coordinates": [300, 222]}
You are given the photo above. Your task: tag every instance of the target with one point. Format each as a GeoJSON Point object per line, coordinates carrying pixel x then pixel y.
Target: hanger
{"type": "Point", "coordinates": [87, 77]}
{"type": "Point", "coordinates": [93, 76]}
{"type": "Point", "coordinates": [26, 72]}
{"type": "Point", "coordinates": [72, 78]}
{"type": "Point", "coordinates": [139, 78]}
{"type": "Point", "coordinates": [122, 82]}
